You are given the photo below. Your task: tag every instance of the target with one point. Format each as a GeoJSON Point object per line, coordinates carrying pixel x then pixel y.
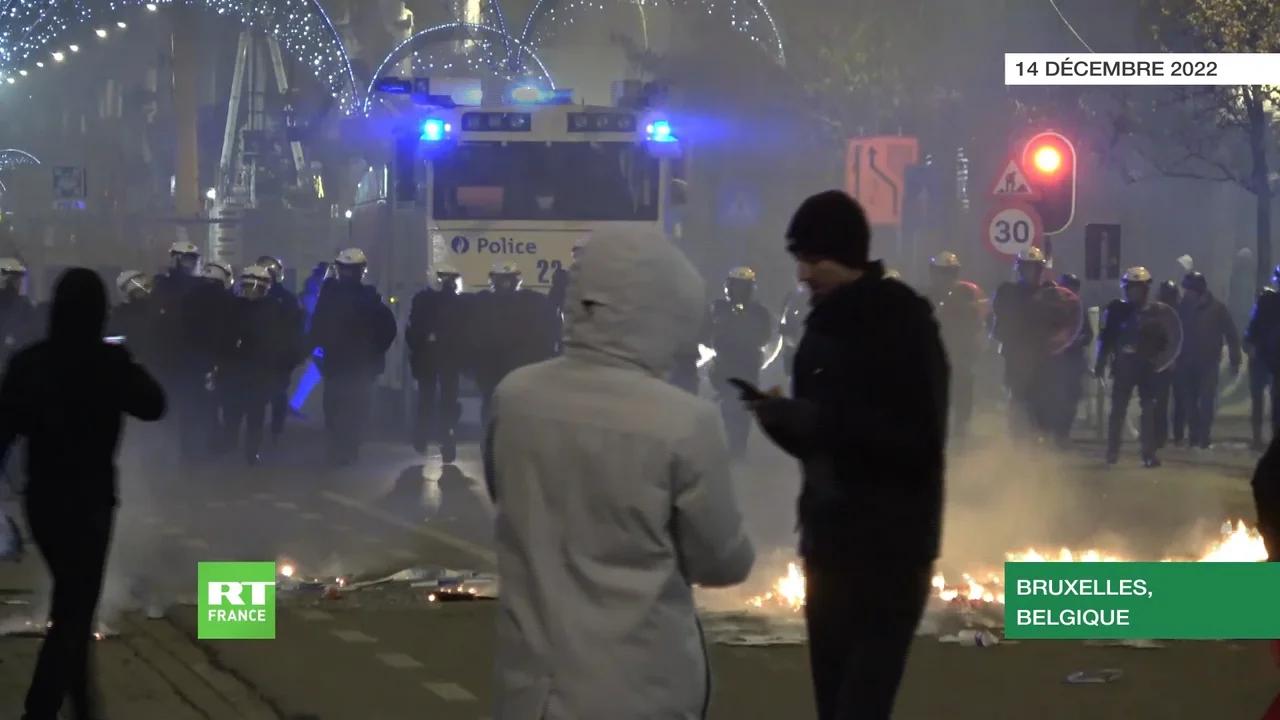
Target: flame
{"type": "Point", "coordinates": [286, 570]}
{"type": "Point", "coordinates": [1239, 543]}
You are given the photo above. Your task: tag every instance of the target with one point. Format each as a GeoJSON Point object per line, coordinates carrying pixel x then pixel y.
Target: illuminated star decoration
{"type": "Point", "coordinates": [31, 33]}
{"type": "Point", "coordinates": [749, 17]}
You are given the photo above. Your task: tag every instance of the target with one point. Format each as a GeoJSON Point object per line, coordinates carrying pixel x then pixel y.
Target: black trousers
{"type": "Point", "coordinates": [438, 408]}
{"type": "Point", "coordinates": [280, 406]}
{"type": "Point", "coordinates": [859, 640]}
{"type": "Point", "coordinates": [1129, 374]}
{"type": "Point", "coordinates": [247, 407]}
{"type": "Point", "coordinates": [737, 420]}
{"type": "Point", "coordinates": [1198, 389]}
{"type": "Point", "coordinates": [192, 423]}
{"type": "Point", "coordinates": [961, 400]}
{"type": "Point", "coordinates": [346, 412]}
{"type": "Point", "coordinates": [74, 542]}
{"type": "Point", "coordinates": [1064, 389]}
{"type": "Point", "coordinates": [1260, 378]}
{"type": "Point", "coordinates": [1164, 389]}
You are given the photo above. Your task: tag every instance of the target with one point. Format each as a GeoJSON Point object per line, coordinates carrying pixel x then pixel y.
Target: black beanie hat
{"type": "Point", "coordinates": [831, 225]}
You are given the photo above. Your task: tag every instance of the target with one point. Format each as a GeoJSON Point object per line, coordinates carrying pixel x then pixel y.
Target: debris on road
{"type": "Point", "coordinates": [1137, 644]}
{"type": "Point", "coordinates": [1094, 677]}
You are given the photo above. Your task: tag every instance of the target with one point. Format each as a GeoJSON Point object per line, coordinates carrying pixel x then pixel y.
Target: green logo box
{"type": "Point", "coordinates": [1141, 600]}
{"type": "Point", "coordinates": [237, 600]}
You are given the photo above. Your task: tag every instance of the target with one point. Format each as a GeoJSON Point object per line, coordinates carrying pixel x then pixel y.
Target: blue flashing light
{"type": "Point", "coordinates": [660, 131]}
{"type": "Point", "coordinates": [529, 95]}
{"type": "Point", "coordinates": [435, 130]}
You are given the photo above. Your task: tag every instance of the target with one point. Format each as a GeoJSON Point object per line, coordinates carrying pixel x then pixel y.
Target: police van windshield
{"type": "Point", "coordinates": [546, 181]}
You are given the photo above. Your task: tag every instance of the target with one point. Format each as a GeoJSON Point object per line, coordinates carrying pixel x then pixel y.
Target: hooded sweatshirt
{"type": "Point", "coordinates": [613, 497]}
{"type": "Point", "coordinates": [67, 396]}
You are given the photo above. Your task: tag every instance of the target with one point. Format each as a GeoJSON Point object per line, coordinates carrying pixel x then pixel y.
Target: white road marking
{"type": "Point", "coordinates": [286, 506]}
{"type": "Point", "coordinates": [451, 692]}
{"type": "Point", "coordinates": [354, 636]}
{"type": "Point", "coordinates": [314, 615]}
{"type": "Point", "coordinates": [399, 661]}
{"type": "Point", "coordinates": [311, 516]}
{"type": "Point", "coordinates": [481, 553]}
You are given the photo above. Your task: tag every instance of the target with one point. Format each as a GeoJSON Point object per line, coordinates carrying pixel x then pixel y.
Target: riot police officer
{"type": "Point", "coordinates": [352, 329]}
{"type": "Point", "coordinates": [18, 323]}
{"type": "Point", "coordinates": [183, 336]}
{"type": "Point", "coordinates": [740, 328]}
{"type": "Point", "coordinates": [1019, 326]}
{"type": "Point", "coordinates": [958, 308]}
{"type": "Point", "coordinates": [1167, 294]}
{"type": "Point", "coordinates": [1066, 373]}
{"type": "Point", "coordinates": [264, 337]}
{"type": "Point", "coordinates": [1131, 340]}
{"type": "Point", "coordinates": [437, 353]}
{"type": "Point", "coordinates": [292, 316]}
{"type": "Point", "coordinates": [133, 319]}
{"type": "Point", "coordinates": [1262, 337]}
{"type": "Point", "coordinates": [512, 327]}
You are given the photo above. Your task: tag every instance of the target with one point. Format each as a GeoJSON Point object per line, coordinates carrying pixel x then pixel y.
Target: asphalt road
{"type": "Point", "coordinates": [387, 653]}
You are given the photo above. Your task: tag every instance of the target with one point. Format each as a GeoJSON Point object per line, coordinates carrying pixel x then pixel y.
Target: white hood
{"type": "Point", "coordinates": [633, 296]}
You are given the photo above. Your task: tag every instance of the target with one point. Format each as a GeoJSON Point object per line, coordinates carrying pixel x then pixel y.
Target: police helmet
{"type": "Point", "coordinates": [351, 256]}
{"type": "Point", "coordinates": [12, 266]}
{"type": "Point", "coordinates": [1195, 281]}
{"type": "Point", "coordinates": [255, 282]}
{"type": "Point", "coordinates": [184, 247]}
{"type": "Point", "coordinates": [504, 268]}
{"type": "Point", "coordinates": [1070, 281]}
{"type": "Point", "coordinates": [220, 271]}
{"type": "Point", "coordinates": [273, 266]}
{"type": "Point", "coordinates": [1135, 275]}
{"type": "Point", "coordinates": [447, 271]}
{"type": "Point", "coordinates": [744, 274]}
{"type": "Point", "coordinates": [1032, 255]}
{"type": "Point", "coordinates": [892, 275]}
{"type": "Point", "coordinates": [945, 260]}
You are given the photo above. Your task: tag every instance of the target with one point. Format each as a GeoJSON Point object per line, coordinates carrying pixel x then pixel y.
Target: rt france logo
{"type": "Point", "coordinates": [237, 600]}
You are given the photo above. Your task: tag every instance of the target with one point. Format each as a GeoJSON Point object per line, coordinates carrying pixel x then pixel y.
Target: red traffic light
{"type": "Point", "coordinates": [1050, 159]}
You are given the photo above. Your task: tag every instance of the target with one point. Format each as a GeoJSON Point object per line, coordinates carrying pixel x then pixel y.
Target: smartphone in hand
{"type": "Point", "coordinates": [747, 391]}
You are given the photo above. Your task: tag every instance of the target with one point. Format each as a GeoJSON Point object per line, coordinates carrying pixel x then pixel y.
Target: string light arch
{"type": "Point", "coordinates": [31, 32]}
{"type": "Point", "coordinates": [490, 55]}
{"type": "Point", "coordinates": [750, 17]}
{"type": "Point", "coordinates": [11, 158]}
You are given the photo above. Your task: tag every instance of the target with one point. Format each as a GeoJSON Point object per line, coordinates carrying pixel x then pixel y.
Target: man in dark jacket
{"type": "Point", "coordinates": [1206, 327]}
{"type": "Point", "coordinates": [66, 396]}
{"type": "Point", "coordinates": [1262, 339]}
{"type": "Point", "coordinates": [265, 340]}
{"type": "Point", "coordinates": [1167, 293]}
{"type": "Point", "coordinates": [134, 318]}
{"type": "Point", "coordinates": [1066, 373]}
{"type": "Point", "coordinates": [437, 339]}
{"type": "Point", "coordinates": [868, 421]}
{"type": "Point", "coordinates": [353, 330]}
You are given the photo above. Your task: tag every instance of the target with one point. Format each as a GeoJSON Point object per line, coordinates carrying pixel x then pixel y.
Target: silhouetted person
{"type": "Point", "coordinates": [67, 396]}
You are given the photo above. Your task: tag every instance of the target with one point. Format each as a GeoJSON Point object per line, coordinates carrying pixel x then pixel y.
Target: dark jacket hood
{"type": "Point", "coordinates": [79, 311]}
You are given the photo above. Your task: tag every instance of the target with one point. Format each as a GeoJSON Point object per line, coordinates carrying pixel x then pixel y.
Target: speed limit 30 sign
{"type": "Point", "coordinates": [1011, 228]}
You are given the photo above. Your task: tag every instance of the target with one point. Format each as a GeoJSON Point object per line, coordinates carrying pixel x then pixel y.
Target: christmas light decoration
{"type": "Point", "coordinates": [30, 30]}
{"type": "Point", "coordinates": [750, 17]}
{"type": "Point", "coordinates": [12, 158]}
{"type": "Point", "coordinates": [486, 54]}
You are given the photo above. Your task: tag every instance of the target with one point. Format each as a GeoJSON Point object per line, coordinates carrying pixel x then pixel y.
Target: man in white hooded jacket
{"type": "Point", "coordinates": [613, 498]}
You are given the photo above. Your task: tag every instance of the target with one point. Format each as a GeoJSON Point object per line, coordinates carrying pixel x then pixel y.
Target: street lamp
{"type": "Point", "coordinates": [211, 193]}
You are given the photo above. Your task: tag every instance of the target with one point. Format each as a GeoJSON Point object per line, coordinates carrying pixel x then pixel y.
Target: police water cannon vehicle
{"type": "Point", "coordinates": [522, 177]}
